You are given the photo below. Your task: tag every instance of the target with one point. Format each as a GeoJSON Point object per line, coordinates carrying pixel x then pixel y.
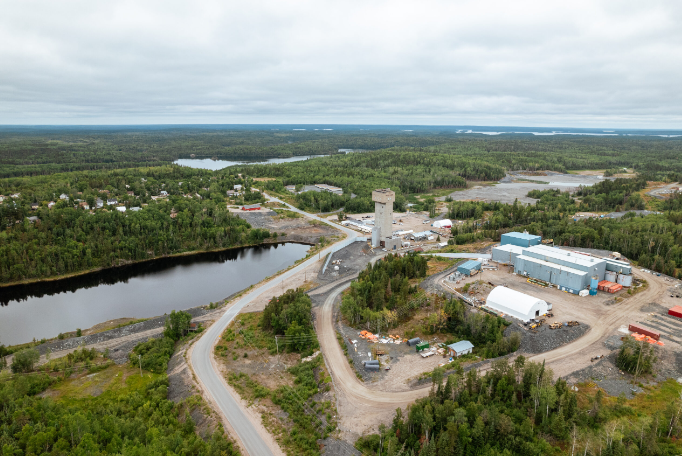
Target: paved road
{"type": "Point", "coordinates": [201, 355]}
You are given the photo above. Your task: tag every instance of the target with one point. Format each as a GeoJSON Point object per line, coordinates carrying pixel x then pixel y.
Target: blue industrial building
{"type": "Point", "coordinates": [520, 239]}
{"type": "Point", "coordinates": [468, 267]}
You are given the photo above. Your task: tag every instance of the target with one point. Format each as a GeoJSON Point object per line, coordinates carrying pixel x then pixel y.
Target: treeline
{"type": "Point", "coordinates": [360, 173]}
{"type": "Point", "coordinates": [290, 315]}
{"type": "Point", "coordinates": [382, 294]}
{"type": "Point", "coordinates": [67, 238]}
{"type": "Point", "coordinates": [619, 194]}
{"type": "Point", "coordinates": [518, 409]}
{"type": "Point", "coordinates": [33, 151]}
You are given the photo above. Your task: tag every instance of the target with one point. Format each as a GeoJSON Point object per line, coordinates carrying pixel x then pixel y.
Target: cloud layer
{"type": "Point", "coordinates": [582, 63]}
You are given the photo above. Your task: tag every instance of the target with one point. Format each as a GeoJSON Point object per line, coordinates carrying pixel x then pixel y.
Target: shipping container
{"type": "Point", "coordinates": [676, 312]}
{"type": "Point", "coordinates": [615, 288]}
{"type": "Point", "coordinates": [422, 346]}
{"type": "Point", "coordinates": [413, 342]}
{"type": "Point", "coordinates": [646, 331]}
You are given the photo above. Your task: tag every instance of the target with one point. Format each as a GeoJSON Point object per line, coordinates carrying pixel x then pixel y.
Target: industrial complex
{"type": "Point", "coordinates": [573, 272]}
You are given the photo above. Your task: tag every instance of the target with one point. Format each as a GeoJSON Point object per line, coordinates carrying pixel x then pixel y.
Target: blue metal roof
{"type": "Point", "coordinates": [470, 264]}
{"type": "Point", "coordinates": [461, 346]}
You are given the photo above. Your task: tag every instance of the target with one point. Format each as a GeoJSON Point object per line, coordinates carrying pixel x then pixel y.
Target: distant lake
{"type": "Point", "coordinates": [214, 165]}
{"type": "Point", "coordinates": [142, 290]}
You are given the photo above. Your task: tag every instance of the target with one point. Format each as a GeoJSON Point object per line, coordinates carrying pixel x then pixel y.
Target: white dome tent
{"type": "Point", "coordinates": [516, 304]}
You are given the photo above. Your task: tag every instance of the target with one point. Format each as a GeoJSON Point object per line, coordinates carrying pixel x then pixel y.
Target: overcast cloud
{"type": "Point", "coordinates": [579, 63]}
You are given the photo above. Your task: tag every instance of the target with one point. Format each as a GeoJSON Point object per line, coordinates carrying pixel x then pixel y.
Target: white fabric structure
{"type": "Point", "coordinates": [516, 304]}
{"type": "Point", "coordinates": [445, 223]}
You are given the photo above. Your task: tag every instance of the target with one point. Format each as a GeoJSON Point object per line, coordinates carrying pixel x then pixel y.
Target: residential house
{"type": "Point", "coordinates": [15, 195]}
{"type": "Point", "coordinates": [50, 204]}
{"type": "Point", "coordinates": [131, 193]}
{"type": "Point", "coordinates": [99, 203]}
{"type": "Point", "coordinates": [35, 206]}
{"type": "Point", "coordinates": [463, 347]}
{"type": "Point", "coordinates": [163, 193]}
{"type": "Point", "coordinates": [33, 219]}
{"type": "Point", "coordinates": [237, 187]}
{"type": "Point", "coordinates": [291, 188]}
{"type": "Point", "coordinates": [134, 209]}
{"type": "Point", "coordinates": [64, 197]}
{"type": "Point", "coordinates": [121, 208]}
{"type": "Point", "coordinates": [2, 198]}
{"type": "Point", "coordinates": [231, 193]}
{"type": "Point", "coordinates": [111, 201]}
{"type": "Point", "coordinates": [84, 205]}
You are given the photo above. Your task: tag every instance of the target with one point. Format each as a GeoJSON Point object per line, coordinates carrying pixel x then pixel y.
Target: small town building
{"type": "Point", "coordinates": [99, 203]}
{"type": "Point", "coordinates": [64, 197]}
{"type": "Point", "coordinates": [131, 193]}
{"type": "Point", "coordinates": [33, 219]}
{"type": "Point", "coordinates": [84, 205]}
{"type": "Point", "coordinates": [134, 209]}
{"type": "Point", "coordinates": [35, 206]}
{"type": "Point", "coordinates": [50, 204]}
{"type": "Point", "coordinates": [121, 208]}
{"type": "Point", "coordinates": [516, 304]}
{"type": "Point", "coordinates": [463, 347]}
{"type": "Point", "coordinates": [111, 201]}
{"type": "Point", "coordinates": [237, 187]}
{"type": "Point", "coordinates": [163, 193]}
{"type": "Point", "coordinates": [251, 207]}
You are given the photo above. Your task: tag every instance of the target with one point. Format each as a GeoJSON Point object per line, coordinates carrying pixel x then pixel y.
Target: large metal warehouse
{"type": "Point", "coordinates": [520, 239]}
{"type": "Point", "coordinates": [516, 304]}
{"type": "Point", "coordinates": [507, 253]}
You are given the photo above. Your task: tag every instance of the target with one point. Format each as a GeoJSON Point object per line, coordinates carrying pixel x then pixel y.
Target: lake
{"type": "Point", "coordinates": [143, 290]}
{"type": "Point", "coordinates": [214, 165]}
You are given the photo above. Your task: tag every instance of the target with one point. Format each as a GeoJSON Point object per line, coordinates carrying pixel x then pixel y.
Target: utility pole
{"type": "Point", "coordinates": [139, 357]}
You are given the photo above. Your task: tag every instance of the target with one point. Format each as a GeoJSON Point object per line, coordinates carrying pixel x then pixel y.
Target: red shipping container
{"type": "Point", "coordinates": [615, 288]}
{"type": "Point", "coordinates": [646, 331]}
{"type": "Point", "coordinates": [676, 312]}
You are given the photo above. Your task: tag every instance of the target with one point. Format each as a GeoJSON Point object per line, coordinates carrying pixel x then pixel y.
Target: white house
{"type": "Point", "coordinates": [237, 187]}
{"type": "Point", "coordinates": [121, 208]}
{"type": "Point", "coordinates": [64, 196]}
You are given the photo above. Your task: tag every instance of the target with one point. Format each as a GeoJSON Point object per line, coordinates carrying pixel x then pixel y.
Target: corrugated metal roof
{"type": "Point", "coordinates": [553, 252]}
{"type": "Point", "coordinates": [518, 235]}
{"type": "Point", "coordinates": [552, 265]}
{"type": "Point", "coordinates": [470, 264]}
{"type": "Point", "coordinates": [510, 248]}
{"type": "Point", "coordinates": [461, 346]}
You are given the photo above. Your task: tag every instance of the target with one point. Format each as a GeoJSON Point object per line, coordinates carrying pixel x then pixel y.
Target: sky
{"type": "Point", "coordinates": [594, 63]}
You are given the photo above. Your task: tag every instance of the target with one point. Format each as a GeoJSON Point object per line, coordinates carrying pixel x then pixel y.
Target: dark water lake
{"type": "Point", "coordinates": [143, 290]}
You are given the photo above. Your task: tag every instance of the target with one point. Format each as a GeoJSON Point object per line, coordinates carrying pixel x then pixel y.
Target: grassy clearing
{"type": "Point", "coordinates": [437, 264]}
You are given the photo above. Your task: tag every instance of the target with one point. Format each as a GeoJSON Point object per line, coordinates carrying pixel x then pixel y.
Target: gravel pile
{"type": "Point", "coordinates": [607, 376]}
{"type": "Point", "coordinates": [546, 339]}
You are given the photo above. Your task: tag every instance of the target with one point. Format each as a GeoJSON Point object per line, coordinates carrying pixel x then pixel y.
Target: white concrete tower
{"type": "Point", "coordinates": [383, 211]}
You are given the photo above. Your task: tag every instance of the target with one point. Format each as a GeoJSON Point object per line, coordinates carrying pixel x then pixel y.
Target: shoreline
{"type": "Point", "coordinates": [137, 262]}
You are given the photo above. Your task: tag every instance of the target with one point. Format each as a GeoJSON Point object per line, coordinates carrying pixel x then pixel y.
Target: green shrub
{"type": "Point", "coordinates": [155, 354]}
{"type": "Point", "coordinates": [24, 360]}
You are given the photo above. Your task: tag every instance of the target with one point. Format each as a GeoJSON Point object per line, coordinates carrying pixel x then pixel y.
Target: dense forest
{"type": "Point", "coordinates": [518, 409]}
{"type": "Point", "coordinates": [67, 238]}
{"type": "Point", "coordinates": [32, 151]}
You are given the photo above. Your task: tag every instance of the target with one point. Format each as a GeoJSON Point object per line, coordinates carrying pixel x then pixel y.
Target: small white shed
{"type": "Point", "coordinates": [463, 347]}
{"type": "Point", "coordinates": [518, 305]}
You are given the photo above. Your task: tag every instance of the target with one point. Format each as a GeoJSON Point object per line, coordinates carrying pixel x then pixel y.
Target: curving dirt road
{"type": "Point", "coordinates": [361, 407]}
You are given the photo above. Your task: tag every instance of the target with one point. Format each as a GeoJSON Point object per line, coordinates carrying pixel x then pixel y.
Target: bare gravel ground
{"type": "Point", "coordinates": [506, 191]}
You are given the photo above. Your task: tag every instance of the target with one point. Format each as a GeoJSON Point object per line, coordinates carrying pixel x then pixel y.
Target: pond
{"type": "Point", "coordinates": [214, 165]}
{"type": "Point", "coordinates": [142, 290]}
